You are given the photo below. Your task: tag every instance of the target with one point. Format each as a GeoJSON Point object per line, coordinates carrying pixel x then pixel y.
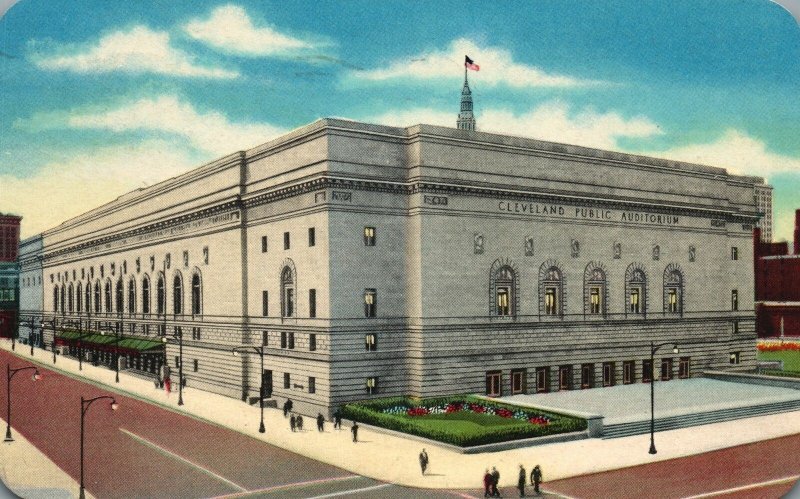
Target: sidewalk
{"type": "Point", "coordinates": [394, 459]}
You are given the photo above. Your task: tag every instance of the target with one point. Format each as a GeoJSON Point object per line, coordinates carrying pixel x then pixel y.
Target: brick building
{"type": "Point", "coordinates": [9, 273]}
{"type": "Point", "coordinates": [778, 285]}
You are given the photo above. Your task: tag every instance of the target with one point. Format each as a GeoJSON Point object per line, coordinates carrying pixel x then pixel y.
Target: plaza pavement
{"type": "Point", "coordinates": [394, 459]}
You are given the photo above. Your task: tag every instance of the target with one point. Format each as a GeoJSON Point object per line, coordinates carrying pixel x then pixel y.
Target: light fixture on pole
{"type": "Point", "coordinates": [653, 349]}
{"type": "Point", "coordinates": [260, 352]}
{"type": "Point", "coordinates": [9, 376]}
{"type": "Point", "coordinates": [85, 403]}
{"type": "Point", "coordinates": [116, 350]}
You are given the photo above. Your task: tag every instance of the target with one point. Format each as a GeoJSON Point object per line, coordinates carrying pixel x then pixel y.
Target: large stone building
{"type": "Point", "coordinates": [9, 273]}
{"type": "Point", "coordinates": [777, 274]}
{"type": "Point", "coordinates": [375, 261]}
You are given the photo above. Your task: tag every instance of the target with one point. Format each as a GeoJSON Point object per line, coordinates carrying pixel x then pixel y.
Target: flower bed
{"type": "Point", "coordinates": [461, 420]}
{"type": "Point", "coordinates": [773, 346]}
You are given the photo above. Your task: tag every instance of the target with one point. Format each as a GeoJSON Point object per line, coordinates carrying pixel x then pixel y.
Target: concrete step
{"type": "Point", "coordinates": [687, 420]}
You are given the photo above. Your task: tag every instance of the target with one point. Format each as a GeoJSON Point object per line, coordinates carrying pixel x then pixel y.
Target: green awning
{"type": "Point", "coordinates": [108, 340]}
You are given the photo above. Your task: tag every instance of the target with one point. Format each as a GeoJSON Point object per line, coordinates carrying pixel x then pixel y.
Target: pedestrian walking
{"type": "Point", "coordinates": [487, 483]}
{"type": "Point", "coordinates": [320, 422]}
{"type": "Point", "coordinates": [354, 430]}
{"type": "Point", "coordinates": [337, 419]}
{"type": "Point", "coordinates": [521, 481]}
{"type": "Point", "coordinates": [423, 460]}
{"type": "Point", "coordinates": [167, 385]}
{"type": "Point", "coordinates": [287, 407]}
{"type": "Point", "coordinates": [536, 478]}
{"type": "Point", "coordinates": [299, 423]}
{"type": "Point", "coordinates": [293, 422]}
{"type": "Point", "coordinates": [495, 481]}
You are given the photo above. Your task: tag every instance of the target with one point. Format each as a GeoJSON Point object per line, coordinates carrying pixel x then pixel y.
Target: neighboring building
{"type": "Point", "coordinates": [763, 195]}
{"type": "Point", "coordinates": [31, 289]}
{"type": "Point", "coordinates": [375, 261]}
{"type": "Point", "coordinates": [9, 273]}
{"type": "Point", "coordinates": [778, 286]}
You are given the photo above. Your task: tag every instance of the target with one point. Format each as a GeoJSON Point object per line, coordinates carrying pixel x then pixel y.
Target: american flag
{"type": "Point", "coordinates": [470, 64]}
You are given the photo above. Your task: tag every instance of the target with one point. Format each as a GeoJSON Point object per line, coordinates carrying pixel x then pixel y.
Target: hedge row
{"type": "Point", "coordinates": [369, 412]}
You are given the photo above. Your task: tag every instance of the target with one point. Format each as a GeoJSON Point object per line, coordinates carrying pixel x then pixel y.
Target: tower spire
{"type": "Point", "coordinates": [466, 120]}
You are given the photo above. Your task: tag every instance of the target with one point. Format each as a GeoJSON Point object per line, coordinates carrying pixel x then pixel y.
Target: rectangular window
{"type": "Point", "coordinates": [647, 371]}
{"type": "Point", "coordinates": [312, 384]}
{"type": "Point", "coordinates": [734, 253]}
{"type": "Point", "coordinates": [263, 244]}
{"type": "Point", "coordinates": [283, 339]}
{"type": "Point", "coordinates": [370, 302]}
{"type": "Point", "coordinates": [503, 307]}
{"type": "Point", "coordinates": [628, 372]}
{"type": "Point", "coordinates": [493, 383]}
{"type": "Point", "coordinates": [195, 365]}
{"type": "Point", "coordinates": [672, 300]}
{"type": "Point", "coordinates": [594, 300]}
{"type": "Point", "coordinates": [372, 386]}
{"type": "Point", "coordinates": [734, 358]}
{"type": "Point", "coordinates": [288, 303]}
{"type": "Point", "coordinates": [312, 302]}
{"type": "Point", "coordinates": [265, 303]}
{"type": "Point", "coordinates": [286, 240]}
{"type": "Point", "coordinates": [287, 381]}
{"type": "Point", "coordinates": [683, 368]}
{"type": "Point", "coordinates": [608, 374]}
{"type": "Point", "coordinates": [635, 308]}
{"type": "Point", "coordinates": [550, 301]}
{"type": "Point", "coordinates": [195, 333]}
{"type": "Point", "coordinates": [264, 338]}
{"type": "Point", "coordinates": [291, 341]}
{"type": "Point", "coordinates": [371, 341]}
{"type": "Point", "coordinates": [312, 236]}
{"type": "Point", "coordinates": [177, 361]}
{"type": "Point", "coordinates": [517, 381]}
{"type": "Point", "coordinates": [312, 342]}
{"type": "Point", "coordinates": [666, 369]}
{"type": "Point", "coordinates": [565, 378]}
{"type": "Point", "coordinates": [734, 300]}
{"type": "Point", "coordinates": [369, 236]}
{"type": "Point", "coordinates": [542, 379]}
{"type": "Point", "coordinates": [735, 328]}
{"type": "Point", "coordinates": [587, 376]}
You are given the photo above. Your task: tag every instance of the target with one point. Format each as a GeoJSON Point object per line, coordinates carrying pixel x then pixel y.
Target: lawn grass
{"type": "Point", "coordinates": [463, 422]}
{"type": "Point", "coordinates": [790, 358]}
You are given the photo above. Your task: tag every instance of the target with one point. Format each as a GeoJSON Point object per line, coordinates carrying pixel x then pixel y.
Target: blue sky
{"type": "Point", "coordinates": [99, 98]}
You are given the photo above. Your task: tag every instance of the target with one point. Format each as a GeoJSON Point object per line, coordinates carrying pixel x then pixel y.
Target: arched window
{"type": "Point", "coordinates": [79, 298]}
{"type": "Point", "coordinates": [120, 297]}
{"type": "Point", "coordinates": [177, 294]}
{"type": "Point", "coordinates": [503, 289]}
{"type": "Point", "coordinates": [287, 292]}
{"type": "Point", "coordinates": [196, 294]}
{"type": "Point", "coordinates": [145, 295]}
{"type": "Point", "coordinates": [673, 290]}
{"type": "Point", "coordinates": [132, 296]}
{"type": "Point", "coordinates": [63, 298]}
{"type": "Point", "coordinates": [635, 290]}
{"type": "Point", "coordinates": [109, 302]}
{"type": "Point", "coordinates": [161, 295]}
{"type": "Point", "coordinates": [595, 290]}
{"type": "Point", "coordinates": [551, 289]}
{"type": "Point", "coordinates": [55, 299]}
{"type": "Point", "coordinates": [70, 298]}
{"type": "Point", "coordinates": [97, 296]}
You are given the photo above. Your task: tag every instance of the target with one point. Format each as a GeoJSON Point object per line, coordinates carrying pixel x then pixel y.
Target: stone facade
{"type": "Point", "coordinates": [381, 261]}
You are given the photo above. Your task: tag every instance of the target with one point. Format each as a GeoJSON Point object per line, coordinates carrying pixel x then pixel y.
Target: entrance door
{"type": "Point", "coordinates": [608, 374]}
{"type": "Point", "coordinates": [587, 373]}
{"type": "Point", "coordinates": [565, 378]}
{"type": "Point", "coordinates": [541, 379]}
{"type": "Point", "coordinates": [493, 383]}
{"type": "Point", "coordinates": [266, 382]}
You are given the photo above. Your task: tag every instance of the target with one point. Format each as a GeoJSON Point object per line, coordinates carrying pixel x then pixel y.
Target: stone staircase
{"type": "Point", "coordinates": [686, 420]}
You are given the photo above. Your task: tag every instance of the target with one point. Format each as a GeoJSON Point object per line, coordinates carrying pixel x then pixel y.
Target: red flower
{"type": "Point", "coordinates": [417, 411]}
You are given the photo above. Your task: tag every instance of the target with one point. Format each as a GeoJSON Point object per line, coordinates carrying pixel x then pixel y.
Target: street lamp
{"type": "Point", "coordinates": [259, 351]}
{"type": "Point", "coordinates": [653, 349]}
{"type": "Point", "coordinates": [9, 375]}
{"type": "Point", "coordinates": [42, 325]}
{"type": "Point", "coordinates": [116, 349]}
{"type": "Point", "coordinates": [179, 335]}
{"type": "Point", "coordinates": [85, 403]}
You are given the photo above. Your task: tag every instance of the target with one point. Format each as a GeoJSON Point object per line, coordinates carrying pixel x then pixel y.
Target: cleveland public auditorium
{"type": "Point", "coordinates": [374, 261]}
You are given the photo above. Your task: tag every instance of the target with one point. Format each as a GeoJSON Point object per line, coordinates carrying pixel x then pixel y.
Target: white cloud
{"type": "Point", "coordinates": [737, 152]}
{"type": "Point", "coordinates": [207, 131]}
{"type": "Point", "coordinates": [138, 50]}
{"type": "Point", "coordinates": [64, 189]}
{"type": "Point", "coordinates": [230, 29]}
{"type": "Point", "coordinates": [550, 121]}
{"type": "Point", "coordinates": [497, 66]}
